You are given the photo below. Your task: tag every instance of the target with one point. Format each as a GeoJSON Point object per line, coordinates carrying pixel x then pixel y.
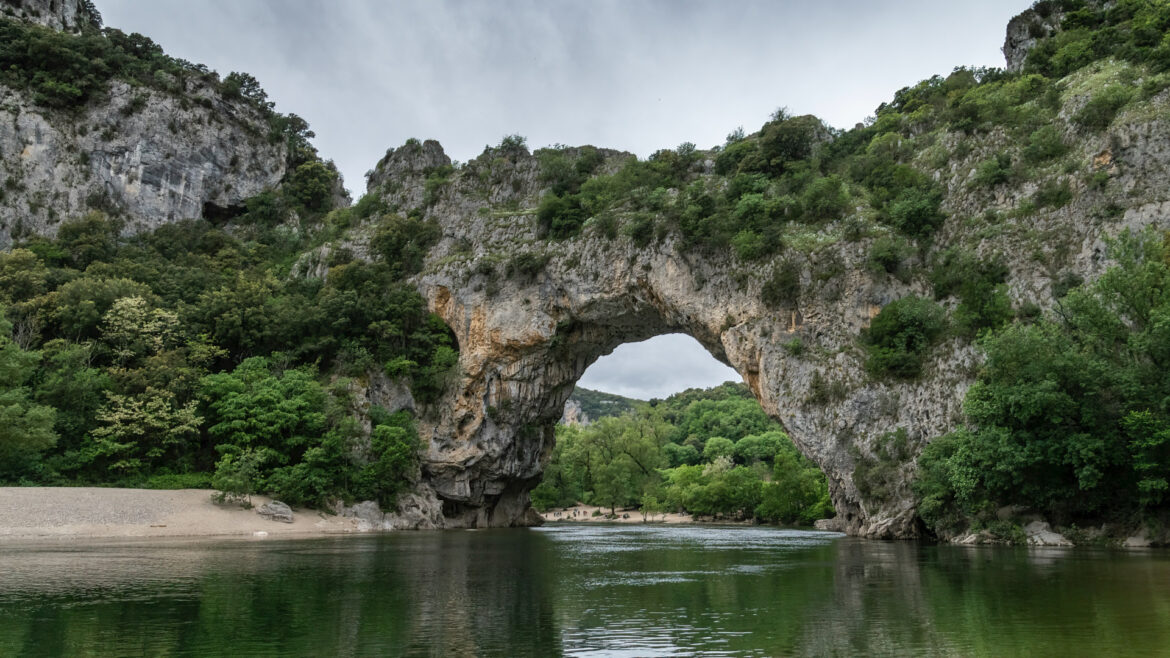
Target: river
{"type": "Point", "coordinates": [579, 590]}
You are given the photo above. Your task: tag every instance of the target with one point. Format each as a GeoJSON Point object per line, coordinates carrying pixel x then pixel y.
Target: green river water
{"type": "Point", "coordinates": [578, 590]}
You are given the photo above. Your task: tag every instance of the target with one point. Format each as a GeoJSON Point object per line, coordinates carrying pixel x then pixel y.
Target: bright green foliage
{"type": "Point", "coordinates": [798, 493]}
{"type": "Point", "coordinates": [394, 451]}
{"type": "Point", "coordinates": [994, 171]}
{"type": "Point", "coordinates": [900, 336]}
{"type": "Point", "coordinates": [1069, 415]}
{"type": "Point", "coordinates": [759, 447]}
{"type": "Point", "coordinates": [1132, 30]}
{"type": "Point", "coordinates": [262, 405]}
{"type": "Point", "coordinates": [237, 476]}
{"type": "Point", "coordinates": [139, 431]}
{"type": "Point", "coordinates": [717, 447]}
{"type": "Point", "coordinates": [26, 428]}
{"type": "Point", "coordinates": [651, 457]}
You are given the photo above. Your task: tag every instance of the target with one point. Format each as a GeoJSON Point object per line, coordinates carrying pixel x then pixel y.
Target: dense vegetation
{"type": "Point", "coordinates": [708, 452]}
{"type": "Point", "coordinates": [206, 353]}
{"type": "Point", "coordinates": [1070, 416]}
{"type": "Point", "coordinates": [168, 356]}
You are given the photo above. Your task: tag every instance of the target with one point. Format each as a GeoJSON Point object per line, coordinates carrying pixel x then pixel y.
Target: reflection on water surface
{"type": "Point", "coordinates": [580, 591]}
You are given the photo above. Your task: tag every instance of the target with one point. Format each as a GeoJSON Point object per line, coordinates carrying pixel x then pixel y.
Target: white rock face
{"type": "Point", "coordinates": [525, 338]}
{"type": "Point", "coordinates": [150, 156]}
{"type": "Point", "coordinates": [66, 15]}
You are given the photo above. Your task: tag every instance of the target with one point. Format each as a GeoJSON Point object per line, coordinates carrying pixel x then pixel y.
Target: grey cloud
{"type": "Point", "coordinates": [638, 76]}
{"type": "Point", "coordinates": [657, 368]}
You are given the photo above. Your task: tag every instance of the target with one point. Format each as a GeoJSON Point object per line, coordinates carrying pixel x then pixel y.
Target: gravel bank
{"type": "Point", "coordinates": [40, 512]}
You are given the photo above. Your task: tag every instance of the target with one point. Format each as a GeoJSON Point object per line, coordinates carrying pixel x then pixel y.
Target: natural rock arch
{"type": "Point", "coordinates": [530, 315]}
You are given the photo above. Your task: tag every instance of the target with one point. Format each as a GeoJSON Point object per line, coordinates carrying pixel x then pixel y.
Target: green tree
{"type": "Point", "coordinates": [26, 428]}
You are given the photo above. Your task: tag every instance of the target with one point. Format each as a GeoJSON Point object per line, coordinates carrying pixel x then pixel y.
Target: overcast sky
{"type": "Point", "coordinates": [637, 75]}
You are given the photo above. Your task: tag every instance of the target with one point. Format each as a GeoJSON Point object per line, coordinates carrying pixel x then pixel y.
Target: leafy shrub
{"type": "Point", "coordinates": [1045, 143]}
{"type": "Point", "coordinates": [900, 336]}
{"type": "Point", "coordinates": [979, 285]}
{"type": "Point", "coordinates": [560, 217]}
{"type": "Point", "coordinates": [1053, 194]}
{"type": "Point", "coordinates": [916, 211]}
{"type": "Point", "coordinates": [782, 289]}
{"type": "Point", "coordinates": [311, 185]}
{"type": "Point", "coordinates": [403, 242]}
{"type": "Point", "coordinates": [993, 172]}
{"type": "Point", "coordinates": [526, 265]}
{"type": "Point", "coordinates": [1101, 109]}
{"type": "Point", "coordinates": [825, 198]}
{"type": "Point", "coordinates": [887, 254]}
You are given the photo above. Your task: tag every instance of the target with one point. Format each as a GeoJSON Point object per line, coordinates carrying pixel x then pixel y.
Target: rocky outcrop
{"type": "Point", "coordinates": [148, 155]}
{"type": "Point", "coordinates": [66, 15]}
{"type": "Point", "coordinates": [573, 414]}
{"type": "Point", "coordinates": [531, 314]}
{"type": "Point", "coordinates": [1027, 29]}
{"type": "Point", "coordinates": [276, 511]}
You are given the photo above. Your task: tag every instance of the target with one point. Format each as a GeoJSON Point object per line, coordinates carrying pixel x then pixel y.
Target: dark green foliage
{"type": "Point", "coordinates": [782, 289]}
{"type": "Point", "coordinates": [403, 242]}
{"type": "Point", "coordinates": [1045, 143]}
{"type": "Point", "coordinates": [1068, 417]}
{"type": "Point", "coordinates": [1131, 30]}
{"type": "Point", "coordinates": [887, 254]}
{"type": "Point", "coordinates": [900, 336]}
{"type": "Point", "coordinates": [788, 140]}
{"type": "Point", "coordinates": [311, 185]}
{"type": "Point", "coordinates": [526, 265]}
{"type": "Point", "coordinates": [560, 217]}
{"type": "Point", "coordinates": [906, 199]}
{"type": "Point", "coordinates": [1053, 194]}
{"type": "Point", "coordinates": [980, 287]}
{"type": "Point", "coordinates": [994, 171]}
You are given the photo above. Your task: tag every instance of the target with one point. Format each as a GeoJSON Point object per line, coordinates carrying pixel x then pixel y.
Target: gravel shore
{"type": "Point", "coordinates": [44, 512]}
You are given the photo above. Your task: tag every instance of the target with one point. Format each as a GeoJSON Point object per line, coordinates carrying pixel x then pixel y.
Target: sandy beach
{"type": "Point", "coordinates": [84, 512]}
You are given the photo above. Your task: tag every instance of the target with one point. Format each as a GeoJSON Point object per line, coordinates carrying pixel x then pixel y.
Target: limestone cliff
{"type": "Point", "coordinates": [175, 149]}
{"type": "Point", "coordinates": [531, 314]}
{"type": "Point", "coordinates": [67, 15]}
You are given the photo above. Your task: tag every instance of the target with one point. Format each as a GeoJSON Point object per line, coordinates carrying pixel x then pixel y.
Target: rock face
{"type": "Point", "coordinates": [531, 315]}
{"type": "Point", "coordinates": [67, 15]}
{"type": "Point", "coordinates": [276, 511]}
{"type": "Point", "coordinates": [151, 156]}
{"type": "Point", "coordinates": [1026, 29]}
{"type": "Point", "coordinates": [573, 414]}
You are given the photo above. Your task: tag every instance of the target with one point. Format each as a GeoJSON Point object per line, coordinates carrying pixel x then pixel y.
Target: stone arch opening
{"type": "Point", "coordinates": [656, 368]}
{"type": "Point", "coordinates": [524, 351]}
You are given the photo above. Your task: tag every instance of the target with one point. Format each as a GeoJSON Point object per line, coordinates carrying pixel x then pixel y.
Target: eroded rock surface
{"type": "Point", "coordinates": [526, 334]}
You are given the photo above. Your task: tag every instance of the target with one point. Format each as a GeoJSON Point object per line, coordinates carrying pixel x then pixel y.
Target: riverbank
{"type": "Point", "coordinates": [94, 512]}
{"type": "Point", "coordinates": [593, 514]}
